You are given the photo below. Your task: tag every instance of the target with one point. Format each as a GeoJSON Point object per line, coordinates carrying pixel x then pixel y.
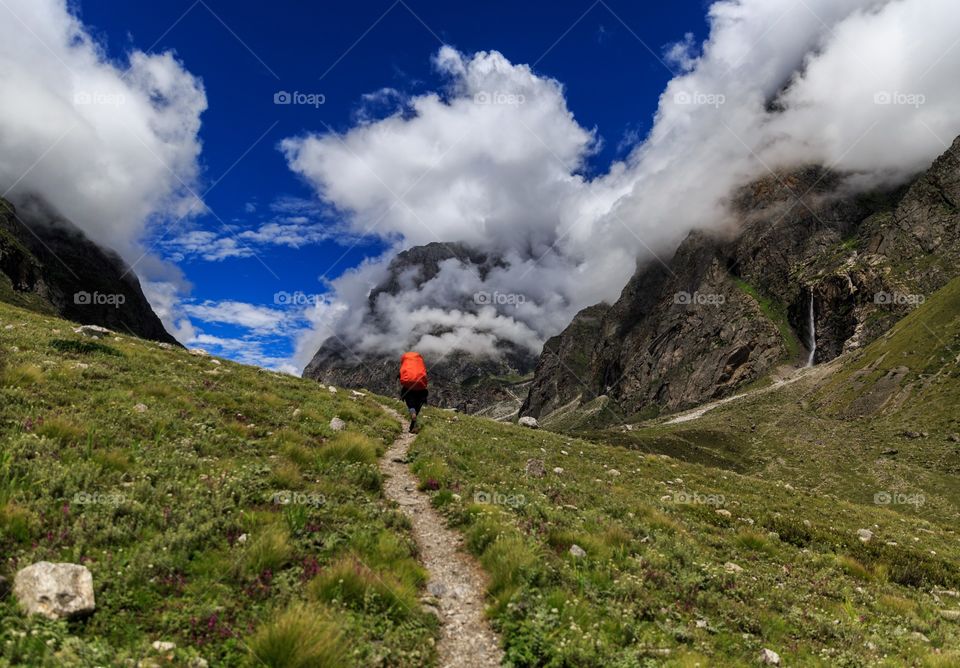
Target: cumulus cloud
{"type": "Point", "coordinates": [111, 146]}
{"type": "Point", "coordinates": [496, 160]}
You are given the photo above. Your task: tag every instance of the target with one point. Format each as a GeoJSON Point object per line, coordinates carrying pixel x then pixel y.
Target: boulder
{"type": "Point", "coordinates": [56, 591]}
{"type": "Point", "coordinates": [577, 551]}
{"type": "Point", "coordinates": [769, 658]}
{"type": "Point", "coordinates": [528, 422]}
{"type": "Point", "coordinates": [337, 424]}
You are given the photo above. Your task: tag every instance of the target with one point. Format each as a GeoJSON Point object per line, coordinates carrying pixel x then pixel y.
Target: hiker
{"type": "Point", "coordinates": [413, 385]}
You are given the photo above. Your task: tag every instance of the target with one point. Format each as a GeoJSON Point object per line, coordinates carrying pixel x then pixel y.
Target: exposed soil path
{"type": "Point", "coordinates": [700, 411]}
{"type": "Point", "coordinates": [455, 578]}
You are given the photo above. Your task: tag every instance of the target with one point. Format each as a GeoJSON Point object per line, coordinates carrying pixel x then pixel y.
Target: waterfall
{"type": "Point", "coordinates": [812, 333]}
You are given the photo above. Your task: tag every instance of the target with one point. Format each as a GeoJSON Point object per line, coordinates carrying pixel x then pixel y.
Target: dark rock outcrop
{"type": "Point", "coordinates": [48, 265]}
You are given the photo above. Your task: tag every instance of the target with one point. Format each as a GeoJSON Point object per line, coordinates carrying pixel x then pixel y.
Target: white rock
{"type": "Point", "coordinates": [165, 346]}
{"type": "Point", "coordinates": [217, 362]}
{"type": "Point", "coordinates": [769, 658]}
{"type": "Point", "coordinates": [337, 424]}
{"type": "Point", "coordinates": [140, 408]}
{"type": "Point", "coordinates": [164, 645]}
{"type": "Point", "coordinates": [242, 538]}
{"type": "Point", "coordinates": [528, 422]}
{"type": "Point", "coordinates": [56, 591]}
{"type": "Point", "coordinates": [952, 615]}
{"type": "Point", "coordinates": [731, 567]}
{"type": "Point", "coordinates": [613, 473]}
{"type": "Point", "coordinates": [331, 389]}
{"type": "Point", "coordinates": [864, 535]}
{"type": "Point", "coordinates": [297, 412]}
{"type": "Point", "coordinates": [357, 394]}
{"type": "Point", "coordinates": [198, 352]}
{"type": "Point", "coordinates": [577, 551]}
{"type": "Point", "coordinates": [723, 512]}
{"type": "Point", "coordinates": [92, 330]}
{"type": "Point", "coordinates": [558, 470]}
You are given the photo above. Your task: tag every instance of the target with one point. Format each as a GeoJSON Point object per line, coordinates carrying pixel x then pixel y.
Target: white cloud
{"type": "Point", "coordinates": [111, 146]}
{"type": "Point", "coordinates": [496, 159]}
{"type": "Point", "coordinates": [111, 149]}
{"type": "Point", "coordinates": [258, 319]}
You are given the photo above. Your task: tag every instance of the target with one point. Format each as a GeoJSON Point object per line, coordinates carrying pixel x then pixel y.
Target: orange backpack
{"type": "Point", "coordinates": [413, 372]}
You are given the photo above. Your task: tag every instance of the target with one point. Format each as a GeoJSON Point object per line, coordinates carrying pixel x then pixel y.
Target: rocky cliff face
{"type": "Point", "coordinates": [727, 308]}
{"type": "Point", "coordinates": [460, 379]}
{"type": "Point", "coordinates": [47, 264]}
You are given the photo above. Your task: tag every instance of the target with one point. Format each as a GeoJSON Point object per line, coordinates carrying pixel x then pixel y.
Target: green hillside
{"type": "Point", "coordinates": [212, 502]}
{"type": "Point", "coordinates": [882, 420]}
{"type": "Point", "coordinates": [218, 510]}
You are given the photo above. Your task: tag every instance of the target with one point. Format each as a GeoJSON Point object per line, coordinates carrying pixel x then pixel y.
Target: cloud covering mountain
{"type": "Point", "coordinates": [497, 160]}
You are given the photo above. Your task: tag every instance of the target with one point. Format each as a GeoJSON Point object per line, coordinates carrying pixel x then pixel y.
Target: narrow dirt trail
{"type": "Point", "coordinates": [455, 578]}
{"type": "Point", "coordinates": [700, 411]}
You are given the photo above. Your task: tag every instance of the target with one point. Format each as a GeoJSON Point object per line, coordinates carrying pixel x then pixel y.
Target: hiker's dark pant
{"type": "Point", "coordinates": [414, 398]}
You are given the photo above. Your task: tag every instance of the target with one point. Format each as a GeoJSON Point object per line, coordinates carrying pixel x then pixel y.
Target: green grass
{"type": "Point", "coordinates": [204, 514]}
{"type": "Point", "coordinates": [654, 589]}
{"type": "Point", "coordinates": [777, 314]}
{"type": "Point", "coordinates": [299, 637]}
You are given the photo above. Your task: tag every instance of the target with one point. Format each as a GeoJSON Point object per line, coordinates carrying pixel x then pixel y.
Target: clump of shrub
{"type": "Point", "coordinates": [355, 585]}
{"type": "Point", "coordinates": [267, 549]}
{"type": "Point", "coordinates": [349, 447]}
{"type": "Point", "coordinates": [301, 636]}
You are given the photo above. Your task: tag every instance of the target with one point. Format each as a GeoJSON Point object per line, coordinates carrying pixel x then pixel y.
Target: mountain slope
{"type": "Point", "coordinates": [214, 504]}
{"type": "Point", "coordinates": [461, 379]}
{"type": "Point", "coordinates": [49, 265]}
{"type": "Point", "coordinates": [616, 557]}
{"type": "Point", "coordinates": [876, 421]}
{"type": "Point", "coordinates": [729, 307]}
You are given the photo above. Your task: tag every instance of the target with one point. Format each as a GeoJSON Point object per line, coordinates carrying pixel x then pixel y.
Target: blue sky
{"type": "Point", "coordinates": [608, 55]}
